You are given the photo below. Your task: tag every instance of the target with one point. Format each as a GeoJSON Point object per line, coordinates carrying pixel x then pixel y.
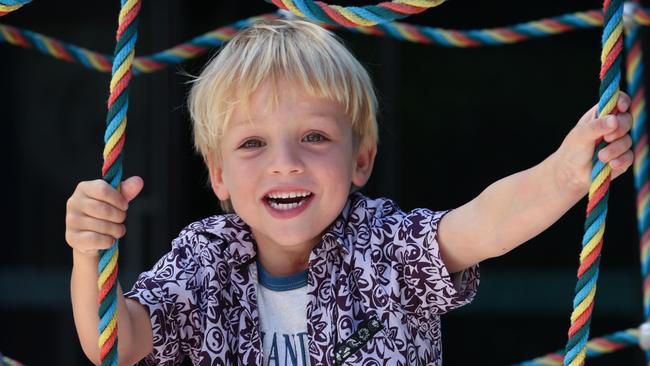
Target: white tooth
{"type": "Point", "coordinates": [292, 195]}
{"type": "Point", "coordinates": [285, 206]}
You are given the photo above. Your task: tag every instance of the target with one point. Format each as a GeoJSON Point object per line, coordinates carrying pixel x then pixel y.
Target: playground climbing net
{"type": "Point", "coordinates": [615, 18]}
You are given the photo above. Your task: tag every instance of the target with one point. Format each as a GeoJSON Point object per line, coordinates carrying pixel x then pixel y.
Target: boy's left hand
{"type": "Point", "coordinates": [573, 170]}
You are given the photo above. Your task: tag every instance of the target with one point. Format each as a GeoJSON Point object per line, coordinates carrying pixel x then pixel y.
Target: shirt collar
{"type": "Point", "coordinates": [241, 248]}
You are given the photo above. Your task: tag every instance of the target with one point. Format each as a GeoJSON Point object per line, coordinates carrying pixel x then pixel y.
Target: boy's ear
{"type": "Point", "coordinates": [363, 164]}
{"type": "Point", "coordinates": [216, 179]}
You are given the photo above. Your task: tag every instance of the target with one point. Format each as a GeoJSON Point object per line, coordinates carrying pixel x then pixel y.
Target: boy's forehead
{"type": "Point", "coordinates": [312, 120]}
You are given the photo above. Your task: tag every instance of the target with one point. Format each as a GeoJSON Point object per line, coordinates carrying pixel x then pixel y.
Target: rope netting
{"type": "Point", "coordinates": [412, 33]}
{"type": "Point", "coordinates": [378, 20]}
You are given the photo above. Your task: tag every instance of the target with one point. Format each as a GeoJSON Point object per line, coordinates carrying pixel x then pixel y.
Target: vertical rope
{"type": "Point", "coordinates": [112, 171]}
{"type": "Point", "coordinates": [583, 303]}
{"type": "Point", "coordinates": [634, 67]}
{"type": "Point", "coordinates": [7, 6]}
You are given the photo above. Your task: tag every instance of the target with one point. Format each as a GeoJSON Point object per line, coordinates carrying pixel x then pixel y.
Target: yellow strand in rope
{"type": "Point", "coordinates": [124, 67]}
{"type": "Point", "coordinates": [584, 304]}
{"type": "Point", "coordinates": [126, 9]}
{"type": "Point", "coordinates": [9, 8]}
{"type": "Point", "coordinates": [106, 273]}
{"type": "Point", "coordinates": [108, 330]}
{"type": "Point", "coordinates": [293, 8]}
{"type": "Point", "coordinates": [115, 137]}
{"type": "Point", "coordinates": [347, 14]}
{"type": "Point", "coordinates": [609, 44]}
{"type": "Point", "coordinates": [600, 178]}
{"type": "Point", "coordinates": [593, 242]}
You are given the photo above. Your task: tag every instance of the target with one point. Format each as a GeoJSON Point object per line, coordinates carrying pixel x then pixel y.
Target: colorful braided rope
{"type": "Point", "coordinates": [634, 68]}
{"type": "Point", "coordinates": [112, 171]}
{"type": "Point", "coordinates": [641, 16]}
{"type": "Point", "coordinates": [486, 37]}
{"type": "Point", "coordinates": [7, 6]}
{"type": "Point", "coordinates": [592, 242]}
{"type": "Point", "coordinates": [353, 16]}
{"type": "Point", "coordinates": [6, 361]}
{"type": "Point", "coordinates": [100, 62]}
{"type": "Point", "coordinates": [595, 347]}
{"type": "Point", "coordinates": [402, 31]}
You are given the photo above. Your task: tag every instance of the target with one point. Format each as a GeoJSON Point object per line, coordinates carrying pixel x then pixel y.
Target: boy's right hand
{"type": "Point", "coordinates": [95, 214]}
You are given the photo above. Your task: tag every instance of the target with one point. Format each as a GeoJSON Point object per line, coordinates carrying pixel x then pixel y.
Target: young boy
{"type": "Point", "coordinates": [307, 270]}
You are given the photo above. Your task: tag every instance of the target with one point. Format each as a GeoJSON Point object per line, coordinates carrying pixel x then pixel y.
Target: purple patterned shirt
{"type": "Point", "coordinates": [376, 289]}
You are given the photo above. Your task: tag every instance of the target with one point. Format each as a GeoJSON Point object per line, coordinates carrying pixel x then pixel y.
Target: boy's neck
{"type": "Point", "coordinates": [281, 260]}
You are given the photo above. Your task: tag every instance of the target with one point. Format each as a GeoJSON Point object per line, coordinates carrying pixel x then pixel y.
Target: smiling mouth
{"type": "Point", "coordinates": [287, 201]}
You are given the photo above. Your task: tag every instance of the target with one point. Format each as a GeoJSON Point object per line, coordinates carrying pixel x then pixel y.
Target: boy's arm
{"type": "Point", "coordinates": [95, 215]}
{"type": "Point", "coordinates": [135, 339]}
{"type": "Point", "coordinates": [517, 208]}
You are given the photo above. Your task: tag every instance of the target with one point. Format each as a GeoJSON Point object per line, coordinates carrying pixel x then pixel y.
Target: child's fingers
{"type": "Point", "coordinates": [102, 210]}
{"type": "Point", "coordinates": [622, 163]}
{"type": "Point", "coordinates": [624, 124]}
{"type": "Point", "coordinates": [615, 149]}
{"type": "Point", "coordinates": [84, 240]}
{"type": "Point", "coordinates": [613, 125]}
{"type": "Point", "coordinates": [623, 102]}
{"type": "Point", "coordinates": [100, 190]}
{"type": "Point", "coordinates": [87, 223]}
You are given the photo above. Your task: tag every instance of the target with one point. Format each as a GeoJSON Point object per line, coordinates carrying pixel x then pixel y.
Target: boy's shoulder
{"type": "Point", "coordinates": [224, 236]}
{"type": "Point", "coordinates": [368, 222]}
{"type": "Point", "coordinates": [385, 211]}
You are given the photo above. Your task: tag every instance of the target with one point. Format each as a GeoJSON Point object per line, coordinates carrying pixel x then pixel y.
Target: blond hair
{"type": "Point", "coordinates": [300, 52]}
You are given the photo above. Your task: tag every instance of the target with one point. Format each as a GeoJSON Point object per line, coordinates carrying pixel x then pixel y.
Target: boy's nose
{"type": "Point", "coordinates": [286, 160]}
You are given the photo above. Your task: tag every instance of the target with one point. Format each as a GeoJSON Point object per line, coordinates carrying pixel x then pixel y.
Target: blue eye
{"type": "Point", "coordinates": [314, 137]}
{"type": "Point", "coordinates": [251, 144]}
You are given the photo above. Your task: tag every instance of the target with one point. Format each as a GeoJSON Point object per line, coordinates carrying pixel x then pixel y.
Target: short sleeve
{"type": "Point", "coordinates": [169, 292]}
{"type": "Point", "coordinates": [428, 288]}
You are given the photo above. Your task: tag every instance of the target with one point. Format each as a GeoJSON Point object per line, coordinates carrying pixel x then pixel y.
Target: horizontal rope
{"type": "Point", "coordinates": [350, 16]}
{"type": "Point", "coordinates": [103, 63]}
{"type": "Point", "coordinates": [595, 347]}
{"type": "Point", "coordinates": [6, 361]}
{"type": "Point", "coordinates": [402, 31]}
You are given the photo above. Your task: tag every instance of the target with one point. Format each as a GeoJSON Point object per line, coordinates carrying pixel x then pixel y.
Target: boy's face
{"type": "Point", "coordinates": [288, 168]}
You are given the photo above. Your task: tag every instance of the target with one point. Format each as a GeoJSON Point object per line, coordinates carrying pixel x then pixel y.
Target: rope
{"type": "Point", "coordinates": [7, 6]}
{"type": "Point", "coordinates": [112, 171]}
{"type": "Point", "coordinates": [6, 361]}
{"type": "Point", "coordinates": [102, 63]}
{"type": "Point", "coordinates": [366, 16]}
{"type": "Point", "coordinates": [413, 33]}
{"type": "Point", "coordinates": [634, 68]}
{"type": "Point", "coordinates": [486, 37]}
{"type": "Point", "coordinates": [595, 347]}
{"type": "Point", "coordinates": [592, 241]}
{"type": "Point", "coordinates": [351, 16]}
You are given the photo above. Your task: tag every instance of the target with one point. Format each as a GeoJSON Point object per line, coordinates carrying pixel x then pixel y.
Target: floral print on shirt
{"type": "Point", "coordinates": [374, 263]}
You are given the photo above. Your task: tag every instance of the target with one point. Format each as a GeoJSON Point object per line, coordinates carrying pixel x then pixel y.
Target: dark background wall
{"type": "Point", "coordinates": [452, 121]}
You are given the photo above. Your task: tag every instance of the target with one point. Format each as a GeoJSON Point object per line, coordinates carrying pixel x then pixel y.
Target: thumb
{"type": "Point", "coordinates": [131, 187]}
